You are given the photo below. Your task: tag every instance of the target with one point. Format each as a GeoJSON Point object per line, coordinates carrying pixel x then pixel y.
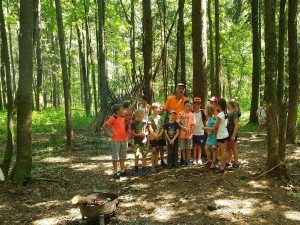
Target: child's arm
{"type": "Point", "coordinates": [151, 131]}
{"type": "Point", "coordinates": [167, 136]}
{"type": "Point", "coordinates": [107, 129]}
{"type": "Point", "coordinates": [217, 125]}
{"type": "Point", "coordinates": [174, 138]}
{"type": "Point", "coordinates": [236, 127]}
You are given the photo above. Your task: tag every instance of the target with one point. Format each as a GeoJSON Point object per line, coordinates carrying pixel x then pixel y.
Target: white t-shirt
{"type": "Point", "coordinates": [199, 124]}
{"type": "Point", "coordinates": [222, 132]}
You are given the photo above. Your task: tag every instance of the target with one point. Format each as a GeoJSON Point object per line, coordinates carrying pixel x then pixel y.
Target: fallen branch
{"type": "Point", "coordinates": [264, 173]}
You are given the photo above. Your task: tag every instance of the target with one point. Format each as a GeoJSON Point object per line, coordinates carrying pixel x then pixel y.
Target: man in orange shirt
{"type": "Point", "coordinates": [176, 102]}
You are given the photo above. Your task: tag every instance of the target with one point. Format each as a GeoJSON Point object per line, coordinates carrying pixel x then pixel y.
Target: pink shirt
{"type": "Point", "coordinates": [187, 120]}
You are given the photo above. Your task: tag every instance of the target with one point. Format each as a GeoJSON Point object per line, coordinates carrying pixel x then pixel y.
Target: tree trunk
{"type": "Point", "coordinates": [147, 49]}
{"type": "Point", "coordinates": [66, 81]}
{"type": "Point", "coordinates": [3, 81]}
{"type": "Point", "coordinates": [165, 53]}
{"type": "Point", "coordinates": [211, 50]}
{"type": "Point", "coordinates": [23, 166]}
{"type": "Point", "coordinates": [5, 53]}
{"type": "Point", "coordinates": [132, 43]}
{"type": "Point", "coordinates": [217, 91]}
{"type": "Point", "coordinates": [181, 41]}
{"type": "Point", "coordinates": [292, 136]}
{"type": "Point", "coordinates": [255, 62]}
{"type": "Point", "coordinates": [281, 98]}
{"type": "Point", "coordinates": [271, 82]}
{"type": "Point", "coordinates": [199, 49]}
{"type": "Point", "coordinates": [103, 80]}
{"type": "Point", "coordinates": [87, 101]}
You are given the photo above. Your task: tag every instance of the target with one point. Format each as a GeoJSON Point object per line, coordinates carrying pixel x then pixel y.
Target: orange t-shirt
{"type": "Point", "coordinates": [187, 120]}
{"type": "Point", "coordinates": [117, 125]}
{"type": "Point", "coordinates": [175, 104]}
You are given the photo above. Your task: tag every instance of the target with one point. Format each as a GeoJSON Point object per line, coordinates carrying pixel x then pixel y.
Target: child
{"type": "Point", "coordinates": [155, 127]}
{"type": "Point", "coordinates": [221, 132]}
{"type": "Point", "coordinates": [232, 128]}
{"type": "Point", "coordinates": [198, 135]}
{"type": "Point", "coordinates": [118, 139]}
{"type": "Point", "coordinates": [211, 142]}
{"type": "Point", "coordinates": [143, 104]}
{"type": "Point", "coordinates": [128, 110]}
{"type": "Point", "coordinates": [139, 133]}
{"type": "Point", "coordinates": [171, 129]}
{"type": "Point", "coordinates": [186, 121]}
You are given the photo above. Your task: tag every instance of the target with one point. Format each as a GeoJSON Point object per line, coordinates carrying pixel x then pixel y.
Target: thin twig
{"type": "Point", "coordinates": [269, 170]}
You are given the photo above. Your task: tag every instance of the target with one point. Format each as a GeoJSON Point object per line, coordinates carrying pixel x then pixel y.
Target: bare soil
{"type": "Point", "coordinates": [191, 195]}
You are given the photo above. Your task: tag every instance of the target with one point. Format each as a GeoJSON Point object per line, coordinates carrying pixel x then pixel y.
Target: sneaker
{"type": "Point", "coordinates": [195, 162]}
{"type": "Point", "coordinates": [227, 165]}
{"type": "Point", "coordinates": [144, 171]}
{"type": "Point", "coordinates": [199, 162]}
{"type": "Point", "coordinates": [136, 171]}
{"type": "Point", "coordinates": [233, 166]}
{"type": "Point", "coordinates": [212, 166]}
{"type": "Point", "coordinates": [219, 171]}
{"type": "Point", "coordinates": [123, 174]}
{"type": "Point", "coordinates": [116, 175]}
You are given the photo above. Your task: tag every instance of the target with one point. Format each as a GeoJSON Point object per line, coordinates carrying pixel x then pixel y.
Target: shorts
{"type": "Point", "coordinates": [198, 139]}
{"type": "Point", "coordinates": [118, 150]}
{"type": "Point", "coordinates": [223, 140]}
{"type": "Point", "coordinates": [185, 143]}
{"type": "Point", "coordinates": [211, 146]}
{"type": "Point", "coordinates": [140, 150]}
{"type": "Point", "coordinates": [157, 143]}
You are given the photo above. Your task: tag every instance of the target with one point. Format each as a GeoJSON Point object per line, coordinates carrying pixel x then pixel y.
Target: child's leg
{"type": "Point", "coordinates": [235, 153]}
{"type": "Point", "coordinates": [161, 153]}
{"type": "Point", "coordinates": [136, 161]}
{"type": "Point", "coordinates": [153, 157]}
{"type": "Point", "coordinates": [188, 155]}
{"type": "Point", "coordinates": [175, 153]}
{"type": "Point", "coordinates": [156, 156]}
{"type": "Point", "coordinates": [122, 164]}
{"type": "Point", "coordinates": [208, 153]}
{"type": "Point", "coordinates": [183, 152]}
{"type": "Point", "coordinates": [195, 153]}
{"type": "Point", "coordinates": [115, 165]}
{"type": "Point", "coordinates": [229, 151]}
{"type": "Point", "coordinates": [214, 154]}
{"type": "Point", "coordinates": [222, 150]}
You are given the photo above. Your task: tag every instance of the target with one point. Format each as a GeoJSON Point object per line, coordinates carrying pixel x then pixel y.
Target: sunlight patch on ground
{"type": "Point", "coordinates": [83, 167]}
{"type": "Point", "coordinates": [58, 159]}
{"type": "Point", "coordinates": [72, 213]}
{"type": "Point", "coordinates": [295, 155]}
{"type": "Point", "coordinates": [262, 184]}
{"type": "Point", "coordinates": [48, 204]}
{"type": "Point", "coordinates": [3, 206]}
{"type": "Point", "coordinates": [100, 158]}
{"type": "Point", "coordinates": [46, 221]}
{"type": "Point", "coordinates": [228, 207]}
{"type": "Point", "coordinates": [162, 214]}
{"type": "Point", "coordinates": [292, 215]}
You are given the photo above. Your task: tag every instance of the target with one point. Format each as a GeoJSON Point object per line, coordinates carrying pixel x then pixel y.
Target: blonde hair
{"type": "Point", "coordinates": [210, 108]}
{"type": "Point", "coordinates": [232, 102]}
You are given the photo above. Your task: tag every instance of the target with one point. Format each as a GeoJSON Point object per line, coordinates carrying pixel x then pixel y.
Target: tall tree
{"type": "Point", "coordinates": [147, 49]}
{"type": "Point", "coordinates": [103, 80]}
{"type": "Point", "coordinates": [271, 82]}
{"type": "Point", "coordinates": [292, 136]}
{"type": "Point", "coordinates": [64, 67]}
{"type": "Point", "coordinates": [199, 49]}
{"type": "Point", "coordinates": [255, 61]}
{"type": "Point", "coordinates": [281, 98]}
{"type": "Point", "coordinates": [211, 49]}
{"type": "Point", "coordinates": [23, 166]}
{"type": "Point", "coordinates": [181, 43]}
{"type": "Point", "coordinates": [132, 42]}
{"type": "Point", "coordinates": [217, 91]}
{"type": "Point", "coordinates": [5, 55]}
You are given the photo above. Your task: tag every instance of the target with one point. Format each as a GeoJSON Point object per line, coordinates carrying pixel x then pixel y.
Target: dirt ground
{"type": "Point", "coordinates": [191, 195]}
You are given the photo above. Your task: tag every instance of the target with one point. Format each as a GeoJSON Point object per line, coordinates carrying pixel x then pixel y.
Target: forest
{"type": "Point", "coordinates": [66, 65]}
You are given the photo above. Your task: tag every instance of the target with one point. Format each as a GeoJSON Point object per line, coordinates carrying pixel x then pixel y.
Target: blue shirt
{"type": "Point", "coordinates": [211, 138]}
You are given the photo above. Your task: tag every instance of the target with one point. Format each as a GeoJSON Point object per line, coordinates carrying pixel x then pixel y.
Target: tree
{"type": "Point", "coordinates": [199, 49]}
{"type": "Point", "coordinates": [5, 56]}
{"type": "Point", "coordinates": [217, 91]}
{"type": "Point", "coordinates": [147, 49]}
{"type": "Point", "coordinates": [271, 83]}
{"type": "Point", "coordinates": [64, 67]}
{"type": "Point", "coordinates": [181, 41]}
{"type": "Point", "coordinates": [293, 72]}
{"type": "Point", "coordinates": [211, 49]}
{"type": "Point", "coordinates": [255, 61]}
{"type": "Point", "coordinates": [22, 169]}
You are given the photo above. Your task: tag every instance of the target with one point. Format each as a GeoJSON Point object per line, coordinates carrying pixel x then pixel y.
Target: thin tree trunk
{"type": "Point", "coordinates": [211, 50]}
{"type": "Point", "coordinates": [292, 136]}
{"type": "Point", "coordinates": [217, 91]}
{"type": "Point", "coordinates": [23, 166]}
{"type": "Point", "coordinates": [66, 82]}
{"type": "Point", "coordinates": [255, 62]}
{"type": "Point", "coordinates": [282, 112]}
{"type": "Point", "coordinates": [3, 81]}
{"type": "Point", "coordinates": [271, 82]}
{"type": "Point", "coordinates": [165, 53]}
{"type": "Point", "coordinates": [181, 41]}
{"type": "Point", "coordinates": [132, 42]}
{"type": "Point", "coordinates": [103, 80]}
{"type": "Point", "coordinates": [147, 49]}
{"type": "Point", "coordinates": [5, 52]}
{"type": "Point", "coordinates": [199, 49]}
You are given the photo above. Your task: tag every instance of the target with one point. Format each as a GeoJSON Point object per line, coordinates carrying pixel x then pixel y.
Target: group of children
{"type": "Point", "coordinates": [151, 128]}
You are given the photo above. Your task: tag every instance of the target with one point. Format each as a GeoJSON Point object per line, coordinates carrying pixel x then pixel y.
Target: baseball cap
{"type": "Point", "coordinates": [197, 100]}
{"type": "Point", "coordinates": [181, 84]}
{"type": "Point", "coordinates": [213, 99]}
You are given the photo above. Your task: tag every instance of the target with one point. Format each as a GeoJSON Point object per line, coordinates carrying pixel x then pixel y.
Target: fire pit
{"type": "Point", "coordinates": [97, 205]}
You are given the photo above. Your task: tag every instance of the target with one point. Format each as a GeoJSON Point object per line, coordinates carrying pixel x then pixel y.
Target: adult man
{"type": "Point", "coordinates": [176, 102]}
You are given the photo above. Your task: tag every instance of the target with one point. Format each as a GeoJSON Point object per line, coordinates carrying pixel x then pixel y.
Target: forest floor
{"type": "Point", "coordinates": [191, 195]}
